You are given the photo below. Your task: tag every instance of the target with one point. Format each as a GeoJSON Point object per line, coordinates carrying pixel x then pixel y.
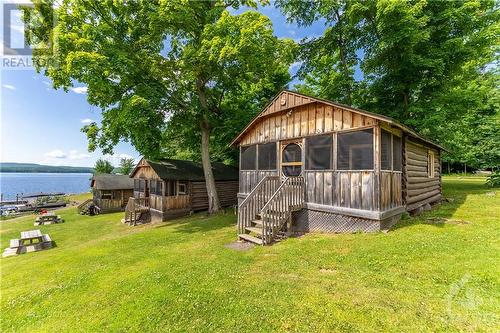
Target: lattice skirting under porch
{"type": "Point", "coordinates": [307, 220]}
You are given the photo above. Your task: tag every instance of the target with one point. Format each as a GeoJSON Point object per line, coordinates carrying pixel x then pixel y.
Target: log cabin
{"type": "Point", "coordinates": [110, 193]}
{"type": "Point", "coordinates": [312, 165]}
{"type": "Point", "coordinates": [170, 188]}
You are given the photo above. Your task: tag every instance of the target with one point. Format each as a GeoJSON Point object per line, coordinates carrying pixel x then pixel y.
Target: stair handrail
{"type": "Point", "coordinates": [254, 201]}
{"type": "Point", "coordinates": [293, 191]}
{"type": "Point", "coordinates": [83, 204]}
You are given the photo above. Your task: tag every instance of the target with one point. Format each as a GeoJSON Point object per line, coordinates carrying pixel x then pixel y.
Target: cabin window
{"type": "Point", "coordinates": [319, 152]}
{"type": "Point", "coordinates": [267, 156]}
{"type": "Point", "coordinates": [170, 188]}
{"type": "Point", "coordinates": [106, 195]}
{"type": "Point", "coordinates": [355, 150]}
{"type": "Point", "coordinates": [386, 151]}
{"type": "Point", "coordinates": [181, 188]}
{"type": "Point", "coordinates": [397, 153]}
{"type": "Point", "coordinates": [248, 155]}
{"type": "Point", "coordinates": [139, 185]}
{"type": "Point", "coordinates": [159, 187]}
{"type": "Point", "coordinates": [152, 186]}
{"type": "Point", "coordinates": [430, 164]}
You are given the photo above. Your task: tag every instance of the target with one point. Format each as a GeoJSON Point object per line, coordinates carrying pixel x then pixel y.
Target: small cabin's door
{"type": "Point", "coordinates": [146, 192]}
{"type": "Point", "coordinates": [291, 159]}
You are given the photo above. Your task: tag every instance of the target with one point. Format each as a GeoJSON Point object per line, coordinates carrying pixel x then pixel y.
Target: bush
{"type": "Point", "coordinates": [493, 180]}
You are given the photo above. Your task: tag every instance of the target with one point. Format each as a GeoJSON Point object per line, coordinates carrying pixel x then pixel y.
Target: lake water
{"type": "Point", "coordinates": [30, 183]}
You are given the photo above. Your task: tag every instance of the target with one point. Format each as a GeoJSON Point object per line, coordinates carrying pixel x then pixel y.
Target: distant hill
{"type": "Point", "coordinates": [32, 167]}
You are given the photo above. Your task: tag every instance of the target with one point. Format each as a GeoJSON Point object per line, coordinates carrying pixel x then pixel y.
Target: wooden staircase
{"type": "Point", "coordinates": [264, 214]}
{"type": "Point", "coordinates": [136, 212]}
{"type": "Point", "coordinates": [83, 208]}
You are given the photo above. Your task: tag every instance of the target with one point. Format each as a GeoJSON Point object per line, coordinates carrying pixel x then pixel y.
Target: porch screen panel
{"type": "Point", "coordinates": [159, 187]}
{"type": "Point", "coordinates": [386, 152]}
{"type": "Point", "coordinates": [152, 186]}
{"type": "Point", "coordinates": [355, 150]}
{"type": "Point", "coordinates": [319, 152]}
{"type": "Point", "coordinates": [267, 156]}
{"type": "Point", "coordinates": [248, 158]}
{"type": "Point", "coordinates": [397, 153]}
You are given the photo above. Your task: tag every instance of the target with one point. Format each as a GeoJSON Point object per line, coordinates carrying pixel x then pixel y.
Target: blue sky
{"type": "Point", "coordinates": [42, 125]}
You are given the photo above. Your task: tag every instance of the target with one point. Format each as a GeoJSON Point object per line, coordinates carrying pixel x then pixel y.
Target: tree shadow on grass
{"type": "Point", "coordinates": [454, 195]}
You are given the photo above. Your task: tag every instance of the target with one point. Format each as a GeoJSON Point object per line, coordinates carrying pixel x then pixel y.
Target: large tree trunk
{"type": "Point", "coordinates": [213, 198]}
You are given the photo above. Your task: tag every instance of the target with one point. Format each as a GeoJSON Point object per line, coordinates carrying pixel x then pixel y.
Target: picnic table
{"type": "Point", "coordinates": [30, 241]}
{"type": "Point", "coordinates": [48, 218]}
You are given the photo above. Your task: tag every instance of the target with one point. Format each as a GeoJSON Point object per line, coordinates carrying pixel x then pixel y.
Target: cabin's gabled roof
{"type": "Point", "coordinates": [111, 182]}
{"type": "Point", "coordinates": [171, 169]}
{"type": "Point", "coordinates": [286, 100]}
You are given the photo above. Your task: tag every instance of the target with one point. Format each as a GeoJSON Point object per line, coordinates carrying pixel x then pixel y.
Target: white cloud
{"type": "Point", "coordinates": [9, 86]}
{"type": "Point", "coordinates": [86, 121]}
{"type": "Point", "coordinates": [79, 90]}
{"type": "Point", "coordinates": [115, 159]}
{"type": "Point", "coordinates": [75, 155]}
{"type": "Point", "coordinates": [57, 153]}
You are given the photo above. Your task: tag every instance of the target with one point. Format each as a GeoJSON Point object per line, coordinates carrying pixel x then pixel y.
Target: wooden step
{"type": "Point", "coordinates": [258, 231]}
{"type": "Point", "coordinates": [250, 238]}
{"type": "Point", "coordinates": [257, 223]}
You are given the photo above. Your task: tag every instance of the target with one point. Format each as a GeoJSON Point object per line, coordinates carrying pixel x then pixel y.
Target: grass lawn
{"type": "Point", "coordinates": [107, 277]}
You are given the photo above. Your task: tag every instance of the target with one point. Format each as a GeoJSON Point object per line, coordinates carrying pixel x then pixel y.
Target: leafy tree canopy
{"type": "Point", "coordinates": [103, 166]}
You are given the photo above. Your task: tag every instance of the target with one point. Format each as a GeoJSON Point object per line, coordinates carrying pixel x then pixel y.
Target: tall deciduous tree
{"type": "Point", "coordinates": [146, 62]}
{"type": "Point", "coordinates": [425, 63]}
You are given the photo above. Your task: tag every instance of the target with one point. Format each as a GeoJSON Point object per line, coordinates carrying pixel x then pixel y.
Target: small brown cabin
{"type": "Point", "coordinates": [111, 192]}
{"type": "Point", "coordinates": [308, 164]}
{"type": "Point", "coordinates": [171, 188]}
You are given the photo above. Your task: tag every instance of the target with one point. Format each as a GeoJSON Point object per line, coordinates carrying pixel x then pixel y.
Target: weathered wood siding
{"type": "Point", "coordinates": [303, 120]}
{"type": "Point", "coordinates": [420, 189]}
{"type": "Point", "coordinates": [226, 191]}
{"type": "Point", "coordinates": [391, 195]}
{"type": "Point", "coordinates": [250, 178]}
{"type": "Point", "coordinates": [348, 189]}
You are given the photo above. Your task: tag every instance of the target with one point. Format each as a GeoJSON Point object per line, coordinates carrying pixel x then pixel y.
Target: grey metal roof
{"type": "Point", "coordinates": [112, 182]}
{"type": "Point", "coordinates": [170, 169]}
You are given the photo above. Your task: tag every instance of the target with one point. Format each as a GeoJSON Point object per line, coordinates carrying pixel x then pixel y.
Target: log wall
{"type": "Point", "coordinates": [420, 189]}
{"type": "Point", "coordinates": [226, 190]}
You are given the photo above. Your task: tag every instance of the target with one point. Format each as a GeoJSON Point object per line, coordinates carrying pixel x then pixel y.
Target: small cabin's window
{"type": "Point", "coordinates": [355, 150]}
{"type": "Point", "coordinates": [152, 186]}
{"type": "Point", "coordinates": [170, 188]}
{"type": "Point", "coordinates": [159, 187]}
{"type": "Point", "coordinates": [139, 185]}
{"type": "Point", "coordinates": [248, 156]}
{"type": "Point", "coordinates": [397, 153]}
{"type": "Point", "coordinates": [181, 188]}
{"type": "Point", "coordinates": [106, 195]}
{"type": "Point", "coordinates": [430, 164]}
{"type": "Point", "coordinates": [386, 151]}
{"type": "Point", "coordinates": [267, 156]}
{"type": "Point", "coordinates": [319, 152]}
{"type": "Point", "coordinates": [136, 185]}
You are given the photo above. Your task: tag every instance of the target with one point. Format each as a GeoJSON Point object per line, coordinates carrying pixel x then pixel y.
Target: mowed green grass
{"type": "Point", "coordinates": [104, 276]}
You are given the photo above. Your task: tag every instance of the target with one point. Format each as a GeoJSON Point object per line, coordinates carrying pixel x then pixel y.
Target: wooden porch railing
{"type": "Point", "coordinates": [278, 210]}
{"type": "Point", "coordinates": [253, 203]}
